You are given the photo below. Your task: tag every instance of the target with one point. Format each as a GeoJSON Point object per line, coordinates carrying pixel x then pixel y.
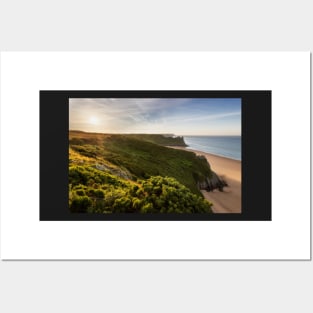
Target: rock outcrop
{"type": "Point", "coordinates": [115, 171]}
{"type": "Point", "coordinates": [215, 182]}
{"type": "Point", "coordinates": [211, 183]}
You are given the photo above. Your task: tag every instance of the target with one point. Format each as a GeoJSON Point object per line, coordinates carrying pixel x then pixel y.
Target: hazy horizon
{"type": "Point", "coordinates": [177, 116]}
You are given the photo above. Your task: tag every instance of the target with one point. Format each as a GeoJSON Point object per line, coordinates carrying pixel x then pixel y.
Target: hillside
{"type": "Point", "coordinates": [136, 170]}
{"type": "Point", "coordinates": [163, 140]}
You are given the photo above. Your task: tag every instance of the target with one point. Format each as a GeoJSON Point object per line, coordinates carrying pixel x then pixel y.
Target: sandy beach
{"type": "Point", "coordinates": [228, 201]}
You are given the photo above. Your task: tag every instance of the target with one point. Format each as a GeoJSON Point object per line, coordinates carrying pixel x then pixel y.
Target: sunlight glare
{"type": "Point", "coordinates": [93, 120]}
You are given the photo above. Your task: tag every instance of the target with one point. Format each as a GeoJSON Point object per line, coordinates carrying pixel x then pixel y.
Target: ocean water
{"type": "Point", "coordinates": [226, 146]}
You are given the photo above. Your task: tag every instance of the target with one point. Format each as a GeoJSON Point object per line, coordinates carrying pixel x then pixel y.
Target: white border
{"type": "Point", "coordinates": [23, 74]}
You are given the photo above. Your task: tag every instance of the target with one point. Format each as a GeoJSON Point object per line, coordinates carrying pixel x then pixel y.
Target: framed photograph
{"type": "Point", "coordinates": [155, 156]}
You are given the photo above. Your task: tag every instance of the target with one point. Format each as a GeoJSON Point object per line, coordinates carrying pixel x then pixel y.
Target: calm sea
{"type": "Point", "coordinates": [226, 146]}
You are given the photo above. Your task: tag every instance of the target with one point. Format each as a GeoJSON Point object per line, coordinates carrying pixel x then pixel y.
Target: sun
{"type": "Point", "coordinates": [93, 120]}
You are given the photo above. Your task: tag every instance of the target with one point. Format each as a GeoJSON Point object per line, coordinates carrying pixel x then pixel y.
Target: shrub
{"type": "Point", "coordinates": [80, 192]}
{"type": "Point", "coordinates": [80, 204]}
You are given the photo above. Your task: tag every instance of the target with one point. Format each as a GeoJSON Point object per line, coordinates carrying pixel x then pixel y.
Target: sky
{"type": "Point", "coordinates": [179, 116]}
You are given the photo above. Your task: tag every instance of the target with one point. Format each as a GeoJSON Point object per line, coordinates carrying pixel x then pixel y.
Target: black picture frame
{"type": "Point", "coordinates": [256, 125]}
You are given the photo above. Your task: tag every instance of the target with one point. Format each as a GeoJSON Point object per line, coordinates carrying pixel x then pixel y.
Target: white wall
{"type": "Point", "coordinates": [46, 286]}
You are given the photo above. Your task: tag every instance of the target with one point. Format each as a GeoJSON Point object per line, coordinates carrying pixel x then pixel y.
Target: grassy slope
{"type": "Point", "coordinates": [137, 155]}
{"type": "Point", "coordinates": [160, 139]}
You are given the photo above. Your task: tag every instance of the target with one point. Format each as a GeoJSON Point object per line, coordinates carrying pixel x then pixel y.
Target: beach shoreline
{"type": "Point", "coordinates": [228, 201]}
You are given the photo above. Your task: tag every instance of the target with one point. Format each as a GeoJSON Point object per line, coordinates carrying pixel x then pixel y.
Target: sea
{"type": "Point", "coordinates": [225, 146]}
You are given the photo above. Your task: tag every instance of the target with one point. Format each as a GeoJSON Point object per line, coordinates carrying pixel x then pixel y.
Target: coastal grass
{"type": "Point", "coordinates": [143, 158]}
{"type": "Point", "coordinates": [134, 173]}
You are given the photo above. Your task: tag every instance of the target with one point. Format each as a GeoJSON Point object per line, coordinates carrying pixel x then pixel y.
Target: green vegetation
{"type": "Point", "coordinates": [131, 173]}
{"type": "Point", "coordinates": [163, 140]}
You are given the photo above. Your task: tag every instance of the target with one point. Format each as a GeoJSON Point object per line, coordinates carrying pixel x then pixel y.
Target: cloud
{"type": "Point", "coordinates": [211, 117]}
{"type": "Point", "coordinates": [174, 115]}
